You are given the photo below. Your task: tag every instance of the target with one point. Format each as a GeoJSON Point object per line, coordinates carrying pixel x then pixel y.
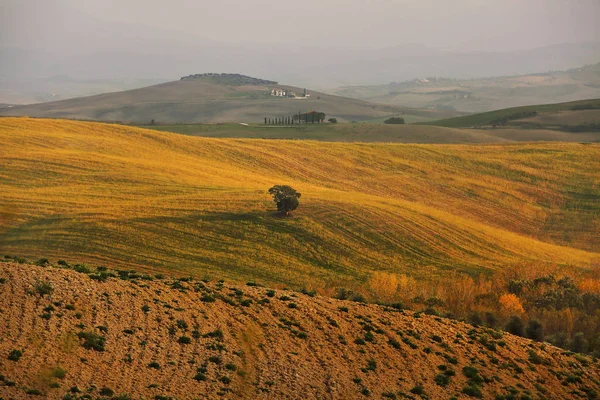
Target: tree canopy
{"type": "Point", "coordinates": [285, 197]}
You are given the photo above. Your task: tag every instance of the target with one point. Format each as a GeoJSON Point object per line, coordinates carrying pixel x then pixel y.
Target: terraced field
{"type": "Point", "coordinates": [199, 206]}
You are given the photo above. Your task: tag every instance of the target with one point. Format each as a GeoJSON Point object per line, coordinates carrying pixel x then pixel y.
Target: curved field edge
{"type": "Point", "coordinates": [113, 194]}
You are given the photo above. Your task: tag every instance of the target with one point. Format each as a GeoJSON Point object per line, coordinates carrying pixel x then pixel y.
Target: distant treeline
{"type": "Point", "coordinates": [588, 106]}
{"type": "Point", "coordinates": [301, 118]}
{"type": "Point", "coordinates": [394, 120]}
{"type": "Point", "coordinates": [230, 79]}
{"type": "Point", "coordinates": [504, 120]}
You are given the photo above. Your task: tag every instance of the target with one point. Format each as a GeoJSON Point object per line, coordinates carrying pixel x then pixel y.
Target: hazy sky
{"type": "Point", "coordinates": [443, 24]}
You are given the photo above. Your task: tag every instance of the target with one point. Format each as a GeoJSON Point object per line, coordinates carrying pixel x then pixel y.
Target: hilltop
{"type": "Point", "coordinates": [483, 94]}
{"type": "Point", "coordinates": [210, 98]}
{"type": "Point", "coordinates": [126, 336]}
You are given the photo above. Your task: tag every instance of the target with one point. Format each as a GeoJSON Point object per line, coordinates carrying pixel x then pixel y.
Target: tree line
{"type": "Point", "coordinates": [309, 117]}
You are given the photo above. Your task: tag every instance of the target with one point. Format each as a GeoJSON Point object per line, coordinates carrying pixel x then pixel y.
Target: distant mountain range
{"type": "Point", "coordinates": [106, 56]}
{"type": "Point", "coordinates": [483, 94]}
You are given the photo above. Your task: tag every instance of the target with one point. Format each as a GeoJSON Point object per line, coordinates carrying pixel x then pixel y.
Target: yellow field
{"type": "Point", "coordinates": [153, 200]}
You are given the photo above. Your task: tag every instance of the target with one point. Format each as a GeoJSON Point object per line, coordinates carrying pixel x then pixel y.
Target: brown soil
{"type": "Point", "coordinates": [269, 350]}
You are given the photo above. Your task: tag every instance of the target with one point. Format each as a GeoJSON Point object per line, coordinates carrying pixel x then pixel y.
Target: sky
{"type": "Point", "coordinates": [464, 25]}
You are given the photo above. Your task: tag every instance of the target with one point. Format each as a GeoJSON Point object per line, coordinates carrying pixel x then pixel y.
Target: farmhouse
{"type": "Point", "coordinates": [282, 93]}
{"type": "Point", "coordinates": [288, 93]}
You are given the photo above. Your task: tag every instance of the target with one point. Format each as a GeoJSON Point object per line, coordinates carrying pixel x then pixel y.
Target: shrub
{"type": "Point", "coordinates": [15, 355]}
{"type": "Point", "coordinates": [106, 392]}
{"type": "Point", "coordinates": [214, 334]}
{"type": "Point", "coordinates": [154, 365]}
{"type": "Point", "coordinates": [371, 365]}
{"type": "Point", "coordinates": [292, 305]}
{"type": "Point", "coordinates": [200, 377]}
{"type": "Point", "coordinates": [181, 324]}
{"type": "Point", "coordinates": [92, 341]}
{"type": "Point", "coordinates": [418, 390]}
{"type": "Point", "coordinates": [42, 262]}
{"type": "Point", "coordinates": [442, 380]}
{"type": "Point", "coordinates": [43, 288]}
{"type": "Point", "coordinates": [208, 298]}
{"type": "Point", "coordinates": [473, 391]}
{"type": "Point", "coordinates": [226, 380]}
{"type": "Point", "coordinates": [215, 359]}
{"type": "Point", "coordinates": [332, 120]}
{"type": "Point", "coordinates": [270, 293]}
{"type": "Point", "coordinates": [59, 373]}
{"type": "Point", "coordinates": [534, 357]}
{"type": "Point", "coordinates": [184, 340]}
{"type": "Point", "coordinates": [230, 366]}
{"type": "Point", "coordinates": [302, 335]}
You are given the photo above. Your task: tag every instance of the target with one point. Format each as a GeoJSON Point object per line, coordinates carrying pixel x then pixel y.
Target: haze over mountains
{"type": "Point", "coordinates": [107, 55]}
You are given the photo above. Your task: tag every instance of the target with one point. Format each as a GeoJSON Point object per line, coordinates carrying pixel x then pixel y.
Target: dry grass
{"type": "Point", "coordinates": [160, 201]}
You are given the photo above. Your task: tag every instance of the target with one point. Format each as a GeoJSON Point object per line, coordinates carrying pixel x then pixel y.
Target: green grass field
{"type": "Point", "coordinates": [363, 132]}
{"type": "Point", "coordinates": [485, 119]}
{"type": "Point", "coordinates": [137, 198]}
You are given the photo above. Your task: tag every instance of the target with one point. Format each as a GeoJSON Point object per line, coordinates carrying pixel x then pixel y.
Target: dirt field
{"type": "Point", "coordinates": [190, 339]}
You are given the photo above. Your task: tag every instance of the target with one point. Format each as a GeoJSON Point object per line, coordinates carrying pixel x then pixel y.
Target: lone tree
{"type": "Point", "coordinates": [285, 197]}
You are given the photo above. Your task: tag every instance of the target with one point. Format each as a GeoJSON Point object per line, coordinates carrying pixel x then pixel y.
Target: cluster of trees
{"type": "Point", "coordinates": [540, 303]}
{"type": "Point", "coordinates": [230, 79]}
{"type": "Point", "coordinates": [394, 120]}
{"type": "Point", "coordinates": [502, 121]}
{"type": "Point", "coordinates": [300, 118]}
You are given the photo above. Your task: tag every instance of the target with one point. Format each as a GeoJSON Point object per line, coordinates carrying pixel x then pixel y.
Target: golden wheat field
{"type": "Point", "coordinates": [123, 196]}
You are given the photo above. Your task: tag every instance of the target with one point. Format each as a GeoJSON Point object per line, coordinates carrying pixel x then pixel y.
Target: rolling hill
{"type": "Point", "coordinates": [366, 132]}
{"type": "Point", "coordinates": [68, 336]}
{"type": "Point", "coordinates": [161, 202]}
{"type": "Point", "coordinates": [483, 94]}
{"type": "Point", "coordinates": [549, 115]}
{"type": "Point", "coordinates": [206, 99]}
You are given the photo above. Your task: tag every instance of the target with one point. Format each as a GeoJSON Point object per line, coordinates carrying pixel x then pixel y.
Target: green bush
{"type": "Point", "coordinates": [106, 392]}
{"type": "Point", "coordinates": [154, 365]}
{"type": "Point", "coordinates": [473, 391]}
{"type": "Point", "coordinates": [15, 355]}
{"type": "Point", "coordinates": [43, 288]}
{"type": "Point", "coordinates": [184, 340]}
{"type": "Point", "coordinates": [418, 390]}
{"type": "Point", "coordinates": [92, 341]}
{"type": "Point", "coordinates": [59, 373]}
{"type": "Point", "coordinates": [442, 380]}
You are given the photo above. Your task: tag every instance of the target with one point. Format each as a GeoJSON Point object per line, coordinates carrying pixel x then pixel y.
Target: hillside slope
{"type": "Point", "coordinates": [144, 338]}
{"type": "Point", "coordinates": [574, 112]}
{"type": "Point", "coordinates": [108, 193]}
{"type": "Point", "coordinates": [204, 100]}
